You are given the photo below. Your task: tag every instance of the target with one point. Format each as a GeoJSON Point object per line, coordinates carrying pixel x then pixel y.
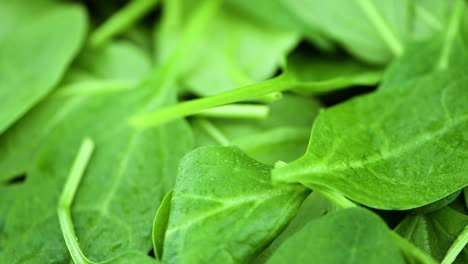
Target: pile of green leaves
{"type": "Point", "coordinates": [235, 131]}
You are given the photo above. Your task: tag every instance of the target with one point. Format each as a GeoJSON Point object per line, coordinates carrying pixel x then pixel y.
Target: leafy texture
{"type": "Point", "coordinates": [283, 135]}
{"type": "Point", "coordinates": [58, 35]}
{"type": "Point", "coordinates": [228, 54]}
{"type": "Point", "coordinates": [351, 235]}
{"type": "Point", "coordinates": [226, 198]}
{"type": "Point", "coordinates": [123, 186]}
{"type": "Point", "coordinates": [313, 208]}
{"type": "Point", "coordinates": [390, 158]}
{"type": "Point", "coordinates": [314, 74]}
{"type": "Point", "coordinates": [435, 232]}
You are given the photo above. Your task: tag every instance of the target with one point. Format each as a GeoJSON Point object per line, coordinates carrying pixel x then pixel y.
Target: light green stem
{"type": "Point", "coordinates": [212, 131]}
{"type": "Point", "coordinates": [122, 20]}
{"type": "Point", "coordinates": [334, 196]}
{"type": "Point", "coordinates": [146, 120]}
{"type": "Point", "coordinates": [164, 77]}
{"type": "Point", "coordinates": [452, 31]}
{"type": "Point", "coordinates": [457, 246]}
{"type": "Point", "coordinates": [66, 200]}
{"type": "Point", "coordinates": [237, 111]}
{"type": "Point", "coordinates": [389, 37]}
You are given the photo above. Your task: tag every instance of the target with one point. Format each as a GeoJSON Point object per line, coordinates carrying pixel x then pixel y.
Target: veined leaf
{"type": "Point", "coordinates": [352, 235]}
{"type": "Point", "coordinates": [58, 35]}
{"type": "Point", "coordinates": [389, 158]}
{"type": "Point", "coordinates": [16, 148]}
{"type": "Point", "coordinates": [227, 198]}
{"type": "Point", "coordinates": [435, 232]}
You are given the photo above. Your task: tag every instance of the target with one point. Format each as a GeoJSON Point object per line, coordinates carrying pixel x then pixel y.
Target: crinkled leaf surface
{"type": "Point", "coordinates": [352, 235]}
{"type": "Point", "coordinates": [392, 157]}
{"type": "Point", "coordinates": [226, 198]}
{"type": "Point", "coordinates": [234, 51]}
{"type": "Point", "coordinates": [58, 35]}
{"type": "Point", "coordinates": [435, 232]}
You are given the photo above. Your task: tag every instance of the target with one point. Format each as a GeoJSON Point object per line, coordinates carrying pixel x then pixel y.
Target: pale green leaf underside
{"type": "Point", "coordinates": [226, 198]}
{"type": "Point", "coordinates": [391, 157]}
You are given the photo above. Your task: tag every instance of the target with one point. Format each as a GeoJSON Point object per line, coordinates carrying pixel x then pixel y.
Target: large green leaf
{"type": "Point", "coordinates": [351, 235]}
{"type": "Point", "coordinates": [234, 50]}
{"type": "Point", "coordinates": [35, 56]}
{"type": "Point", "coordinates": [393, 157]}
{"type": "Point", "coordinates": [373, 35]}
{"type": "Point", "coordinates": [16, 148]}
{"type": "Point", "coordinates": [225, 209]}
{"type": "Point", "coordinates": [435, 232]}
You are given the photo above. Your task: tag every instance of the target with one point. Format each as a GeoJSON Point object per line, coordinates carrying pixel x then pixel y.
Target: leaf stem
{"type": "Point", "coordinates": [457, 246]}
{"type": "Point", "coordinates": [453, 26]}
{"type": "Point", "coordinates": [212, 131]}
{"type": "Point", "coordinates": [241, 111]}
{"type": "Point", "coordinates": [334, 196]}
{"type": "Point", "coordinates": [146, 120]}
{"type": "Point", "coordinates": [66, 200]}
{"type": "Point", "coordinates": [383, 28]}
{"type": "Point", "coordinates": [122, 20]}
{"type": "Point", "coordinates": [163, 77]}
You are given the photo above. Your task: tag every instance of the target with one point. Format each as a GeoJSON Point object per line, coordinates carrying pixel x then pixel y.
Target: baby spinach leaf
{"type": "Point", "coordinates": [58, 35]}
{"type": "Point", "coordinates": [230, 51]}
{"type": "Point", "coordinates": [114, 209]}
{"type": "Point", "coordinates": [372, 30]}
{"type": "Point", "coordinates": [391, 158]}
{"type": "Point", "coordinates": [64, 215]}
{"type": "Point", "coordinates": [435, 232]}
{"type": "Point", "coordinates": [220, 187]}
{"type": "Point", "coordinates": [86, 76]}
{"type": "Point", "coordinates": [105, 62]}
{"type": "Point", "coordinates": [282, 14]}
{"type": "Point", "coordinates": [447, 50]}
{"type": "Point", "coordinates": [352, 235]}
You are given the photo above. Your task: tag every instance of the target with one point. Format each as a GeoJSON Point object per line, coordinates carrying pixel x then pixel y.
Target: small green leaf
{"type": "Point", "coordinates": [41, 50]}
{"type": "Point", "coordinates": [391, 157]}
{"type": "Point", "coordinates": [226, 198]}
